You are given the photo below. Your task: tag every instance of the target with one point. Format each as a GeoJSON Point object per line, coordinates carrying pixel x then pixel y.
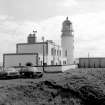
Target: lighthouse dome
{"type": "Point", "coordinates": [67, 26]}
{"type": "Point", "coordinates": [67, 22]}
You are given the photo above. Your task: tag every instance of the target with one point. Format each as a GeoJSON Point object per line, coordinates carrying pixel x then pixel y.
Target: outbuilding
{"type": "Point", "coordinates": [20, 59]}
{"type": "Point", "coordinates": [97, 62]}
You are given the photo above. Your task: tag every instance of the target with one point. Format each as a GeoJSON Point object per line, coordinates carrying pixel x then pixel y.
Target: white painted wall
{"type": "Point", "coordinates": [67, 43]}
{"type": "Point", "coordinates": [38, 48]}
{"type": "Point", "coordinates": [55, 57]}
{"type": "Point", "coordinates": [32, 48]}
{"type": "Point", "coordinates": [68, 67]}
{"type": "Point", "coordinates": [51, 68]}
{"type": "Point", "coordinates": [57, 68]}
{"type": "Point", "coordinates": [14, 60]}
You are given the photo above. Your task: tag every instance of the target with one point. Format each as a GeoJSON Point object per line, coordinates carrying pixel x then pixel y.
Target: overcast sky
{"type": "Point", "coordinates": [19, 17]}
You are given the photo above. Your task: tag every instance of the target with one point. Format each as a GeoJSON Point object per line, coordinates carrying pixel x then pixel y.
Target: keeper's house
{"type": "Point", "coordinates": [33, 52]}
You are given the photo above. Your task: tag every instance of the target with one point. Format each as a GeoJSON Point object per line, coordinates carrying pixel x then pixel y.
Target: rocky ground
{"type": "Point", "coordinates": [73, 87]}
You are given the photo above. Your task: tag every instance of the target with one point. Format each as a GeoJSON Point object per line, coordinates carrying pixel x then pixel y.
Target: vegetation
{"type": "Point", "coordinates": [74, 87]}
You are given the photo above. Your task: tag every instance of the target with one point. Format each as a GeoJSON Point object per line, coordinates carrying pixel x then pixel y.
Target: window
{"type": "Point", "coordinates": [52, 51]}
{"type": "Point", "coordinates": [19, 64]}
{"type": "Point", "coordinates": [41, 62]}
{"type": "Point", "coordinates": [60, 62]}
{"type": "Point", "coordinates": [66, 53]}
{"type": "Point", "coordinates": [52, 63]}
{"type": "Point", "coordinates": [60, 52]}
{"type": "Point", "coordinates": [55, 52]}
{"type": "Point", "coordinates": [64, 62]}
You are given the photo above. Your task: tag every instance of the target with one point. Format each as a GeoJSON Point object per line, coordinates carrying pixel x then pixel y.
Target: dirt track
{"type": "Point", "coordinates": [70, 88]}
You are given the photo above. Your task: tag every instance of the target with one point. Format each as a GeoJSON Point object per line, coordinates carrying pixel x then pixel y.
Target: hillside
{"type": "Point", "coordinates": [74, 87]}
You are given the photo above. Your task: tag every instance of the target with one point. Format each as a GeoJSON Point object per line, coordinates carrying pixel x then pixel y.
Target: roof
{"type": "Point", "coordinates": [46, 42]}
{"type": "Point", "coordinates": [20, 54]}
{"type": "Point", "coordinates": [93, 58]}
{"type": "Point", "coordinates": [31, 43]}
{"type": "Point", "coordinates": [67, 21]}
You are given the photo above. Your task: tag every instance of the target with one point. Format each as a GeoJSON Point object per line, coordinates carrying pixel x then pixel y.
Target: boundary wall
{"type": "Point", "coordinates": [57, 68]}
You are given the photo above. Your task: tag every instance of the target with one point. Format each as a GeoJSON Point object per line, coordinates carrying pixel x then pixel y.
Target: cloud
{"type": "Point", "coordinates": [12, 32]}
{"type": "Point", "coordinates": [90, 33]}
{"type": "Point", "coordinates": [67, 3]}
{"type": "Point", "coordinates": [43, 9]}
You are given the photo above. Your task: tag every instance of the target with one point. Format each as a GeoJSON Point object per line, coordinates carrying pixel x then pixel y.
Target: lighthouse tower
{"type": "Point", "coordinates": [67, 41]}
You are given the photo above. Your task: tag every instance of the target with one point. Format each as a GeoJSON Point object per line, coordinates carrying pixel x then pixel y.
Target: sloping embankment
{"type": "Point", "coordinates": [51, 93]}
{"type": "Point", "coordinates": [69, 90]}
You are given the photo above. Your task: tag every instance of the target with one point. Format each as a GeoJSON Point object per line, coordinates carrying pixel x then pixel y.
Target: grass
{"type": "Point", "coordinates": [73, 87]}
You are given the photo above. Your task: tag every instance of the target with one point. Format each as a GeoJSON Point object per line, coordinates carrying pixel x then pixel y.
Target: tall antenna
{"type": "Point", "coordinates": [88, 54]}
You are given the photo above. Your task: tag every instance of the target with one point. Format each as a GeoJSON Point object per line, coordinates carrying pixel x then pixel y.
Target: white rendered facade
{"type": "Point", "coordinates": [67, 41]}
{"type": "Point", "coordinates": [20, 59]}
{"type": "Point", "coordinates": [53, 54]}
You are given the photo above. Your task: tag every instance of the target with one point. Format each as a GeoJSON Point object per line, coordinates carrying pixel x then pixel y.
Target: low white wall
{"type": "Point", "coordinates": [51, 68]}
{"type": "Point", "coordinates": [57, 68]}
{"type": "Point", "coordinates": [68, 67]}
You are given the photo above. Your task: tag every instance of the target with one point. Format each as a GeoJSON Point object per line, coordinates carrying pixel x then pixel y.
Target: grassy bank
{"type": "Point", "coordinates": [73, 87]}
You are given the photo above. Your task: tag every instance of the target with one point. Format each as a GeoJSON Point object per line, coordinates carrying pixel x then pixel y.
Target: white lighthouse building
{"type": "Point", "coordinates": [67, 41]}
{"type": "Point", "coordinates": [33, 52]}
